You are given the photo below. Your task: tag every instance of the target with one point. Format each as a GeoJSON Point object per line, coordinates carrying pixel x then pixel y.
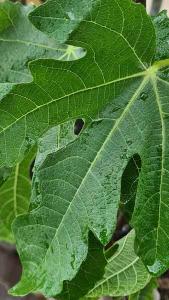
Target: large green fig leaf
{"type": "Point", "coordinates": [79, 188]}
{"type": "Point", "coordinates": [83, 178]}
{"type": "Point", "coordinates": [124, 273]}
{"type": "Point", "coordinates": [67, 90]}
{"type": "Point", "coordinates": [21, 42]}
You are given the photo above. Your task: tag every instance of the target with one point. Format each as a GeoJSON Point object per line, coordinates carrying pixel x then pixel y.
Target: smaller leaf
{"type": "Point", "coordinates": [14, 195]}
{"type": "Point", "coordinates": [124, 272]}
{"type": "Point", "coordinates": [15, 192]}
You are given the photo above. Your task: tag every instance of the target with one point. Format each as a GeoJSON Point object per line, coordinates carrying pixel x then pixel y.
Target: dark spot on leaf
{"type": "Point", "coordinates": [129, 184]}
{"type": "Point", "coordinates": [79, 123]}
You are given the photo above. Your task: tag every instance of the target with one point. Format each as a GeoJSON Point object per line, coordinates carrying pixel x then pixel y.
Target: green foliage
{"type": "Point", "coordinates": [20, 43]}
{"type": "Point", "coordinates": [146, 293]}
{"type": "Point", "coordinates": [66, 90]}
{"type": "Point", "coordinates": [124, 272]}
{"type": "Point", "coordinates": [161, 24]}
{"type": "Point", "coordinates": [114, 75]}
{"type": "Point", "coordinates": [14, 195]}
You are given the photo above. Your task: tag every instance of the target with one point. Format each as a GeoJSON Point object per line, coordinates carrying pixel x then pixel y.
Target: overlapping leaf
{"type": "Point", "coordinates": [21, 42]}
{"type": "Point", "coordinates": [14, 196]}
{"type": "Point", "coordinates": [124, 273]}
{"type": "Point", "coordinates": [15, 192]}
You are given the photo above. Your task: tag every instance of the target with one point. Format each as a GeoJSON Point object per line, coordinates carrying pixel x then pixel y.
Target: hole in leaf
{"type": "Point", "coordinates": [31, 169]}
{"type": "Point", "coordinates": [129, 184]}
{"type": "Point", "coordinates": [79, 123]}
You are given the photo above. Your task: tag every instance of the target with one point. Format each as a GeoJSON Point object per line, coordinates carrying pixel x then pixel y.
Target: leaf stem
{"type": "Point", "coordinates": [161, 64]}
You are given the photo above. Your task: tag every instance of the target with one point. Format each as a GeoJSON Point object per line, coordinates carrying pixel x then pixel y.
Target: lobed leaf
{"type": "Point", "coordinates": [118, 69]}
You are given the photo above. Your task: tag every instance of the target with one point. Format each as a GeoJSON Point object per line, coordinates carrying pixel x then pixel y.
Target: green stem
{"type": "Point", "coordinates": [161, 64]}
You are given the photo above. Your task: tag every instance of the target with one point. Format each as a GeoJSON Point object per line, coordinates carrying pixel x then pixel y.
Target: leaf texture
{"type": "Point", "coordinates": [14, 196]}
{"type": "Point", "coordinates": [53, 140]}
{"type": "Point", "coordinates": [161, 24]}
{"type": "Point", "coordinates": [59, 19]}
{"type": "Point", "coordinates": [21, 42]}
{"type": "Point", "coordinates": [146, 293]}
{"type": "Point", "coordinates": [83, 180]}
{"type": "Point", "coordinates": [16, 191]}
{"type": "Point", "coordinates": [91, 271]}
{"type": "Point", "coordinates": [87, 184]}
{"type": "Point", "coordinates": [124, 273]}
{"type": "Point", "coordinates": [68, 90]}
